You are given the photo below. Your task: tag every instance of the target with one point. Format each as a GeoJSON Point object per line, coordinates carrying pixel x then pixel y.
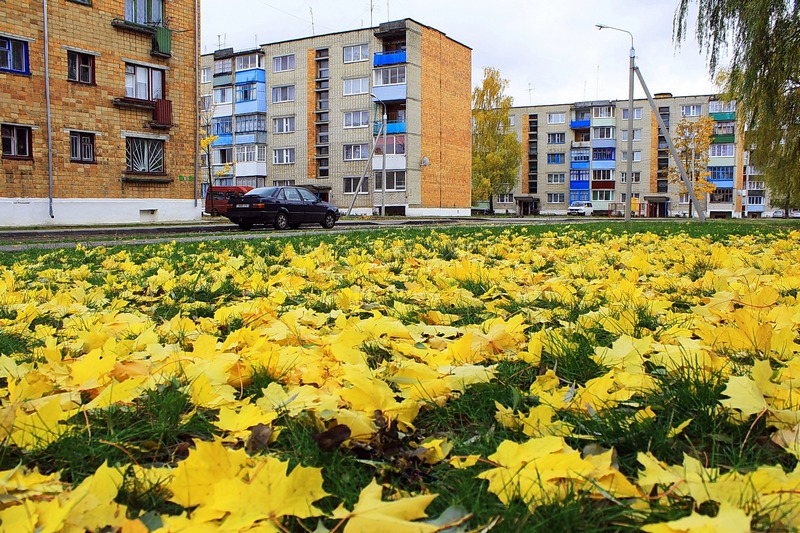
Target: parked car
{"type": "Point", "coordinates": [778, 213]}
{"type": "Point", "coordinates": [218, 196]}
{"type": "Point", "coordinates": [794, 213]}
{"type": "Point", "coordinates": [281, 207]}
{"type": "Point", "coordinates": [580, 208]}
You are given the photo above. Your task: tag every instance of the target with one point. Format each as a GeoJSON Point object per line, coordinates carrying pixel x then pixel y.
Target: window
{"type": "Point", "coordinates": [555, 198]}
{"type": "Point", "coordinates": [556, 138]}
{"type": "Point", "coordinates": [80, 67]}
{"type": "Point", "coordinates": [283, 125]}
{"type": "Point", "coordinates": [637, 113]}
{"type": "Point", "coordinates": [603, 175]}
{"type": "Point", "coordinates": [148, 12]}
{"type": "Point", "coordinates": [143, 83]}
{"type": "Point", "coordinates": [512, 120]}
{"type": "Point", "coordinates": [395, 145]}
{"type": "Point", "coordinates": [283, 183]}
{"type": "Point", "coordinates": [223, 95]}
{"type": "Point", "coordinates": [350, 184]}
{"type": "Point", "coordinates": [395, 180]}
{"type": "Point", "coordinates": [284, 93]}
{"type": "Point", "coordinates": [683, 198]}
{"type": "Point", "coordinates": [605, 195]}
{"type": "Point", "coordinates": [13, 55]}
{"type": "Point", "coordinates": [581, 155]}
{"type": "Point", "coordinates": [81, 147]}
{"type": "Point", "coordinates": [283, 63]}
{"type": "Point", "coordinates": [637, 135]}
{"type": "Point", "coordinates": [691, 110]}
{"type": "Point", "coordinates": [637, 156]}
{"type": "Point", "coordinates": [721, 196]}
{"type": "Point", "coordinates": [720, 173]}
{"type": "Point", "coordinates": [223, 156]}
{"type": "Point", "coordinates": [356, 152]}
{"type": "Point", "coordinates": [246, 153]}
{"type": "Point", "coordinates": [603, 154]}
{"type": "Point", "coordinates": [246, 92]}
{"type": "Point", "coordinates": [755, 200]}
{"type": "Point", "coordinates": [637, 177]}
{"type": "Point", "coordinates": [144, 156]}
{"type": "Point", "coordinates": [205, 102]}
{"type": "Point", "coordinates": [205, 75]}
{"type": "Point", "coordinates": [718, 106]}
{"type": "Point", "coordinates": [223, 66]}
{"type": "Point", "coordinates": [323, 69]}
{"type": "Point", "coordinates": [724, 128]}
{"type": "Point", "coordinates": [262, 153]}
{"type": "Point", "coordinates": [358, 52]}
{"type": "Point", "coordinates": [283, 156]}
{"type": "Point", "coordinates": [251, 123]}
{"type": "Point", "coordinates": [507, 198]}
{"type": "Point", "coordinates": [356, 86]}
{"type": "Point", "coordinates": [222, 126]}
{"type": "Point", "coordinates": [722, 150]}
{"type": "Point", "coordinates": [578, 175]}
{"type": "Point", "coordinates": [356, 119]}
{"type": "Point", "coordinates": [556, 178]}
{"type": "Point", "coordinates": [16, 141]}
{"type": "Point", "coordinates": [556, 118]}
{"type": "Point", "coordinates": [390, 76]}
{"type": "Point", "coordinates": [604, 132]}
{"type": "Point", "coordinates": [603, 112]}
{"type": "Point", "coordinates": [249, 61]}
{"type": "Point", "coordinates": [555, 159]}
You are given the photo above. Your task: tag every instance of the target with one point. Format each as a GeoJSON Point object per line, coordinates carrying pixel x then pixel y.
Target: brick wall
{"type": "Point", "coordinates": [446, 121]}
{"type": "Point", "coordinates": [90, 108]}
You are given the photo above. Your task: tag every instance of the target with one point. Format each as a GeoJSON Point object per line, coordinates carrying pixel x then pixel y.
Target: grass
{"type": "Point", "coordinates": [385, 265]}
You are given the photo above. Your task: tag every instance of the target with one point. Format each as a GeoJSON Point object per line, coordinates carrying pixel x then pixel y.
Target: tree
{"type": "Point", "coordinates": [763, 77]}
{"type": "Point", "coordinates": [496, 151]}
{"type": "Point", "coordinates": [206, 141]}
{"type": "Point", "coordinates": [692, 139]}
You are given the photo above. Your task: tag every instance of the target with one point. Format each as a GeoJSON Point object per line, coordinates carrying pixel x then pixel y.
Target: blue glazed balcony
{"type": "Point", "coordinates": [604, 165]}
{"type": "Point", "coordinates": [393, 57]}
{"type": "Point", "coordinates": [392, 126]}
{"type": "Point", "coordinates": [721, 183]}
{"type": "Point", "coordinates": [579, 165]}
{"type": "Point", "coordinates": [604, 143]}
{"type": "Point", "coordinates": [581, 185]}
{"type": "Point", "coordinates": [580, 124]}
{"type": "Point", "coordinates": [389, 93]}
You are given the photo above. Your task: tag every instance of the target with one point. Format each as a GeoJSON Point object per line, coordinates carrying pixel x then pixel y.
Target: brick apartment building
{"type": "Point", "coordinates": [578, 152]}
{"type": "Point", "coordinates": [98, 107]}
{"type": "Point", "coordinates": [308, 112]}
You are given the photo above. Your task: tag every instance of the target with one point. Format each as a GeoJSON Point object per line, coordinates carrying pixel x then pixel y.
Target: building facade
{"type": "Point", "coordinates": [311, 111]}
{"type": "Point", "coordinates": [98, 107]}
{"type": "Point", "coordinates": [578, 152]}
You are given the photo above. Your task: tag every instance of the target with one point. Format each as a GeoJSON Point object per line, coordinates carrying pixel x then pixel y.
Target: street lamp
{"type": "Point", "coordinates": [383, 171]}
{"type": "Point", "coordinates": [629, 182]}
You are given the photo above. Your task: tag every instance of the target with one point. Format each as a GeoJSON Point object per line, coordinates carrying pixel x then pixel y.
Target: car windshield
{"type": "Point", "coordinates": [264, 191]}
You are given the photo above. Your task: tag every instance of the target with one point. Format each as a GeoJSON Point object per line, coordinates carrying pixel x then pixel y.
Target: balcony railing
{"type": "Point", "coordinates": [162, 42]}
{"type": "Point", "coordinates": [162, 114]}
{"type": "Point", "coordinates": [392, 127]}
{"type": "Point", "coordinates": [392, 57]}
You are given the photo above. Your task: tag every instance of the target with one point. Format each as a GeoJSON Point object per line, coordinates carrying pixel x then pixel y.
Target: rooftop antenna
{"type": "Point", "coordinates": [530, 92]}
{"type": "Point", "coordinates": [371, 7]}
{"type": "Point", "coordinates": [255, 38]}
{"type": "Point", "coordinates": [387, 11]}
{"type": "Point", "coordinates": [311, 10]}
{"type": "Point", "coordinates": [220, 40]}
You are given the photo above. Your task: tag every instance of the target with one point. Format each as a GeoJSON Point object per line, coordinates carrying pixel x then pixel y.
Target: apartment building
{"type": "Point", "coordinates": [310, 111]}
{"type": "Point", "coordinates": [578, 151]}
{"type": "Point", "coordinates": [98, 107]}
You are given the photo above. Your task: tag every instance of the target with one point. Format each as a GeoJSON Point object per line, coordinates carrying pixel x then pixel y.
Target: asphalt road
{"type": "Point", "coordinates": [14, 240]}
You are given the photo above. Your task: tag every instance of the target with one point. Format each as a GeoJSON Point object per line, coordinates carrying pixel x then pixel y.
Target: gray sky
{"type": "Point", "coordinates": [549, 50]}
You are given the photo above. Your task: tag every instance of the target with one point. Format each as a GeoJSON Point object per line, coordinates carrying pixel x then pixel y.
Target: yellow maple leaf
{"type": "Point", "coordinates": [729, 519]}
{"type": "Point", "coordinates": [371, 513]}
{"type": "Point", "coordinates": [744, 396]}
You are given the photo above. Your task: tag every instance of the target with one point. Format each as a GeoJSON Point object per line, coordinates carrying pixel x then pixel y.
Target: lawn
{"type": "Point", "coordinates": [588, 377]}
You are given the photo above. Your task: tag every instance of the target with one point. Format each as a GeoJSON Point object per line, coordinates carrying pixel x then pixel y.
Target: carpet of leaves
{"type": "Point", "coordinates": [360, 339]}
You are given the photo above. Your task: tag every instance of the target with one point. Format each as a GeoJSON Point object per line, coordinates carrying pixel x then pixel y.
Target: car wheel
{"type": "Point", "coordinates": [328, 221]}
{"type": "Point", "coordinates": [246, 225]}
{"type": "Point", "coordinates": [281, 221]}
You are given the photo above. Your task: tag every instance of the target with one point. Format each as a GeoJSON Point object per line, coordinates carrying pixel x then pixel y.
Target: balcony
{"type": "Point", "coordinates": [392, 126]}
{"type": "Point", "coordinates": [390, 93]}
{"type": "Point", "coordinates": [162, 114]}
{"type": "Point", "coordinates": [723, 138]}
{"type": "Point", "coordinates": [723, 116]}
{"type": "Point", "coordinates": [581, 144]}
{"type": "Point", "coordinates": [392, 57]}
{"type": "Point", "coordinates": [580, 124]}
{"type": "Point", "coordinates": [162, 42]}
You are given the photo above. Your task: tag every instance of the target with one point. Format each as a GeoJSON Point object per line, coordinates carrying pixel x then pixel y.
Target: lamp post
{"type": "Point", "coordinates": [629, 181]}
{"type": "Point", "coordinates": [384, 124]}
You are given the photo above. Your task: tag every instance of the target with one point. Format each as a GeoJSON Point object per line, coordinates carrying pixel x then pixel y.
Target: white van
{"type": "Point", "coordinates": [580, 208]}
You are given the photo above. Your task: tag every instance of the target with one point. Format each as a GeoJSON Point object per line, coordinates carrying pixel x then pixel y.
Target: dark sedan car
{"type": "Point", "coordinates": [283, 207]}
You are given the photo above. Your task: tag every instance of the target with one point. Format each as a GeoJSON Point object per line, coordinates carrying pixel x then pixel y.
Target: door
{"type": "Point", "coordinates": [314, 211]}
{"type": "Point", "coordinates": [295, 205]}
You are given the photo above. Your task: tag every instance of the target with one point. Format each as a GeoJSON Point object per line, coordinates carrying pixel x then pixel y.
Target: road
{"type": "Point", "coordinates": [15, 240]}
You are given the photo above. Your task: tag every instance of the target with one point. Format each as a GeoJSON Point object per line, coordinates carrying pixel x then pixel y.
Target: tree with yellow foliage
{"type": "Point", "coordinates": [206, 141]}
{"type": "Point", "coordinates": [692, 140]}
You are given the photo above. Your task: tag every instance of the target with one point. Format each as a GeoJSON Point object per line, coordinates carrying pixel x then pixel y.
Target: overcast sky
{"type": "Point", "coordinates": [549, 50]}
